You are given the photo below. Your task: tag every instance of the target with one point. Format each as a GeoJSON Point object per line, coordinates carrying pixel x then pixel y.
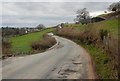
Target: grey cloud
{"type": "Point", "coordinates": [47, 13]}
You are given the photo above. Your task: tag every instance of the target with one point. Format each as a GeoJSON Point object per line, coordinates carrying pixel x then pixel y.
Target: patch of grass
{"type": "Point", "coordinates": [22, 43]}
{"type": "Point", "coordinates": [111, 26]}
{"type": "Point", "coordinates": [104, 67]}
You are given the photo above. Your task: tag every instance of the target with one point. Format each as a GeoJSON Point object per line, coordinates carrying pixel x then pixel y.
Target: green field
{"type": "Point", "coordinates": [22, 43]}
{"type": "Point", "coordinates": [110, 25]}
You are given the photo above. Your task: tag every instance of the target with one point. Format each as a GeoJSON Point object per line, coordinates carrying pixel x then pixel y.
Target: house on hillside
{"type": "Point", "coordinates": [60, 26]}
{"type": "Point", "coordinates": [97, 19]}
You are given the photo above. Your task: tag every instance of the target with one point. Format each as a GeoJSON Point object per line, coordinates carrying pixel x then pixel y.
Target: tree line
{"type": "Point", "coordinates": [12, 31]}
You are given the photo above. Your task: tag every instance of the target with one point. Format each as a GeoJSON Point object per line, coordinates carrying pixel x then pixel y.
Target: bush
{"type": "Point", "coordinates": [6, 52]}
{"type": "Point", "coordinates": [68, 32]}
{"type": "Point", "coordinates": [103, 33]}
{"type": "Point", "coordinates": [43, 45]}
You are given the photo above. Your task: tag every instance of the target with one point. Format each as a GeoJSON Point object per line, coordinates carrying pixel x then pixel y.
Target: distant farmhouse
{"type": "Point", "coordinates": [97, 19]}
{"type": "Point", "coordinates": [60, 25]}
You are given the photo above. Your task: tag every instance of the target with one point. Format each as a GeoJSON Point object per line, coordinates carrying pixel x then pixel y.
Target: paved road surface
{"type": "Point", "coordinates": [66, 60]}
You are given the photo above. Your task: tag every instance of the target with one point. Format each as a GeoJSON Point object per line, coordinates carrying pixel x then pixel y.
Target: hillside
{"type": "Point", "coordinates": [22, 43]}
{"type": "Point", "coordinates": [101, 41]}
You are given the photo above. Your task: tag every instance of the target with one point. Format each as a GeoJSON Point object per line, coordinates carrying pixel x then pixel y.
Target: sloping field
{"type": "Point", "coordinates": [22, 43]}
{"type": "Point", "coordinates": [109, 25]}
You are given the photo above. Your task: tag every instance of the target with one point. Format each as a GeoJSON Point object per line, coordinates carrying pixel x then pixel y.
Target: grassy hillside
{"type": "Point", "coordinates": [110, 25]}
{"type": "Point", "coordinates": [22, 43]}
{"type": "Point", "coordinates": [103, 51]}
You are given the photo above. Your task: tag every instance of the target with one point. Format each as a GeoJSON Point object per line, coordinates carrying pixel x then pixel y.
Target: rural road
{"type": "Point", "coordinates": [66, 60]}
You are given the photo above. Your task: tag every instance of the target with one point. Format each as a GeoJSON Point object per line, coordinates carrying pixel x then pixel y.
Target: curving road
{"type": "Point", "coordinates": [65, 60]}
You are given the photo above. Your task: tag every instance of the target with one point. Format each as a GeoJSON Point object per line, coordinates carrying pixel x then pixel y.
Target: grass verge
{"type": "Point", "coordinates": [103, 64]}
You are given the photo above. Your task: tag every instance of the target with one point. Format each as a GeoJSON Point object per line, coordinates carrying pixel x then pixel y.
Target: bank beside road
{"type": "Point", "coordinates": [101, 41]}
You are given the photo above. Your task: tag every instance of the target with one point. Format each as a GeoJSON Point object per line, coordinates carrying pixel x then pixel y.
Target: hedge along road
{"type": "Point", "coordinates": [65, 60]}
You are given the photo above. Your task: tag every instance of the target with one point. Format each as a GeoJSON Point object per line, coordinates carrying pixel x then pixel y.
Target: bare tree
{"type": "Point", "coordinates": [82, 16]}
{"type": "Point", "coordinates": [114, 6]}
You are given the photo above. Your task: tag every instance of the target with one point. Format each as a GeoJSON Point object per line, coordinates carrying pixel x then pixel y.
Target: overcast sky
{"type": "Point", "coordinates": [31, 14]}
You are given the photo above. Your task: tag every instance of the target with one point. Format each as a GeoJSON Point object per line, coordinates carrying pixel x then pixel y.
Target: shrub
{"type": "Point", "coordinates": [103, 33]}
{"type": "Point", "coordinates": [6, 52]}
{"type": "Point", "coordinates": [43, 45]}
